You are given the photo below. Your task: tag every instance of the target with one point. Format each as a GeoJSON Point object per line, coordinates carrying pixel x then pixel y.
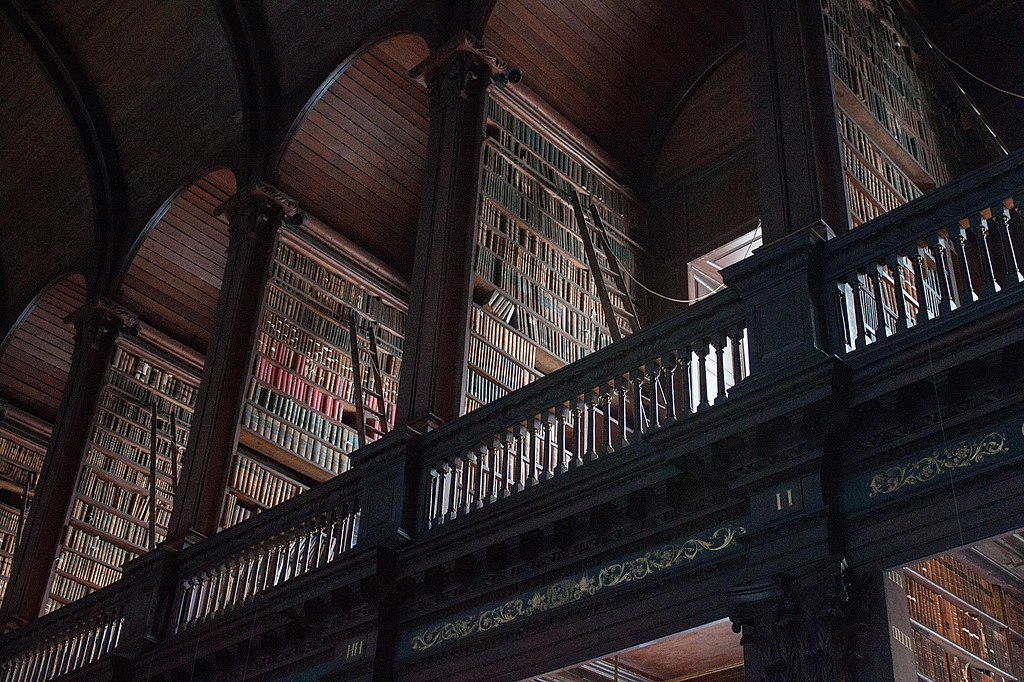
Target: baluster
{"type": "Point", "coordinates": [669, 372]}
{"type": "Point", "coordinates": [522, 455]}
{"type": "Point", "coordinates": [988, 275]}
{"type": "Point", "coordinates": [548, 462]}
{"type": "Point", "coordinates": [702, 375]}
{"type": "Point", "coordinates": [622, 391]}
{"type": "Point", "coordinates": [937, 245]}
{"type": "Point", "coordinates": [877, 278]}
{"type": "Point", "coordinates": [480, 492]}
{"type": "Point", "coordinates": [608, 401]}
{"type": "Point", "coordinates": [580, 433]}
{"type": "Point", "coordinates": [431, 504]}
{"type": "Point", "coordinates": [534, 455]}
{"type": "Point", "coordinates": [650, 379]}
{"type": "Point", "coordinates": [895, 264]}
{"type": "Point", "coordinates": [592, 431]}
{"type": "Point", "coordinates": [453, 488]}
{"type": "Point", "coordinates": [735, 338]}
{"type": "Point", "coordinates": [562, 438]}
{"type": "Point", "coordinates": [959, 236]}
{"type": "Point", "coordinates": [860, 327]}
{"type": "Point", "coordinates": [685, 372]}
{"type": "Point", "coordinates": [494, 459]}
{"type": "Point", "coordinates": [916, 258]}
{"type": "Point", "coordinates": [636, 394]}
{"type": "Point", "coordinates": [1000, 227]}
{"type": "Point", "coordinates": [513, 483]}
{"type": "Point", "coordinates": [719, 346]}
{"type": "Point", "coordinates": [467, 481]}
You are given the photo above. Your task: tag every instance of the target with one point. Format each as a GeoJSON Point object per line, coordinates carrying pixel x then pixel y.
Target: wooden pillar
{"type": "Point", "coordinates": [255, 215]}
{"type": "Point", "coordinates": [97, 325]}
{"type": "Point", "coordinates": [434, 362]}
{"type": "Point", "coordinates": [800, 173]}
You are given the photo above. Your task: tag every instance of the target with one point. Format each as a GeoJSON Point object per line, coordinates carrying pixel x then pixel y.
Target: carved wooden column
{"type": "Point", "coordinates": [433, 365]}
{"type": "Point", "coordinates": [255, 215]}
{"type": "Point", "coordinates": [98, 324]}
{"type": "Point", "coordinates": [795, 630]}
{"type": "Point", "coordinates": [798, 156]}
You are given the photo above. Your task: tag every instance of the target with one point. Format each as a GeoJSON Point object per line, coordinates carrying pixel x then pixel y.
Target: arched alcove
{"type": "Point", "coordinates": [35, 362]}
{"type": "Point", "coordinates": [355, 160]}
{"type": "Point", "coordinates": [174, 278]}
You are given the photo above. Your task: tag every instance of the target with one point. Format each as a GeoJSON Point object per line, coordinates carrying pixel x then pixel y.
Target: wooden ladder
{"type": "Point", "coordinates": [611, 286]}
{"type": "Point", "coordinates": [371, 406]}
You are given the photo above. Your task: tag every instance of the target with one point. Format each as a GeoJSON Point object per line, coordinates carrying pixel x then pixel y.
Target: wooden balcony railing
{"type": "Point", "coordinates": [945, 252]}
{"type": "Point", "coordinates": [585, 411]}
{"type": "Point", "coordinates": [66, 640]}
{"type": "Point", "coordinates": [954, 249]}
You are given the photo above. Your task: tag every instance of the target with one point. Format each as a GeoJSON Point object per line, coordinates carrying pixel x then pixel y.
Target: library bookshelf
{"type": "Point", "coordinates": [537, 299]}
{"type": "Point", "coordinates": [22, 449]}
{"type": "Point", "coordinates": [124, 495]}
{"type": "Point", "coordinates": [324, 377]}
{"type": "Point", "coordinates": [965, 626]}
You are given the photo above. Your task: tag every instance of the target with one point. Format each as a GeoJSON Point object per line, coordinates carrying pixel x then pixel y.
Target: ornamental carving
{"type": "Point", "coordinates": [633, 569]}
{"type": "Point", "coordinates": [101, 316]}
{"type": "Point", "coordinates": [257, 205]}
{"type": "Point", "coordinates": [958, 456]}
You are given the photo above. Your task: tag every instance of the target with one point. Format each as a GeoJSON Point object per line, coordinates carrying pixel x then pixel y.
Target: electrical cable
{"type": "Point", "coordinates": [690, 301]}
{"type": "Point", "coordinates": [972, 74]}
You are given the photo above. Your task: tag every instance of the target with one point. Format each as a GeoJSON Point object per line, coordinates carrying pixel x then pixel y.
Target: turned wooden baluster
{"type": "Point", "coordinates": [433, 501]}
{"type": "Point", "coordinates": [702, 376]}
{"type": "Point", "coordinates": [608, 402]}
{"type": "Point", "coordinates": [532, 455]}
{"type": "Point", "coordinates": [622, 393]}
{"type": "Point", "coordinates": [938, 246]}
{"type": "Point", "coordinates": [479, 491]}
{"type": "Point", "coordinates": [512, 470]}
{"type": "Point", "coordinates": [876, 277]}
{"type": "Point", "coordinates": [738, 369]}
{"type": "Point", "coordinates": [718, 343]}
{"type": "Point", "coordinates": [579, 432]}
{"type": "Point", "coordinates": [895, 264]}
{"type": "Point", "coordinates": [591, 408]}
{"type": "Point", "coordinates": [453, 487]}
{"type": "Point", "coordinates": [999, 226]}
{"type": "Point", "coordinates": [562, 438]}
{"type": "Point", "coordinates": [860, 328]}
{"type": "Point", "coordinates": [493, 462]}
{"type": "Point", "coordinates": [549, 460]}
{"type": "Point", "coordinates": [916, 258]}
{"type": "Point", "coordinates": [988, 275]}
{"type": "Point", "coordinates": [467, 481]}
{"type": "Point", "coordinates": [651, 375]}
{"type": "Point", "coordinates": [958, 236]}
{"type": "Point", "coordinates": [684, 371]}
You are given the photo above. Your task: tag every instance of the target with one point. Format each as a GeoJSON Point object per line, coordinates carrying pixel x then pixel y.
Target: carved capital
{"type": "Point", "coordinates": [797, 630]}
{"type": "Point", "coordinates": [461, 67]}
{"type": "Point", "coordinates": [101, 316]}
{"type": "Point", "coordinates": [257, 210]}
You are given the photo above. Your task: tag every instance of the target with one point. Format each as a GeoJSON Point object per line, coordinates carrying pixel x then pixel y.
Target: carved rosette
{"type": "Point", "coordinates": [101, 316]}
{"type": "Point", "coordinates": [796, 631]}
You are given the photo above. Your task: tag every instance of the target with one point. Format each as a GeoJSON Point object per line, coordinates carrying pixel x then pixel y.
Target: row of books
{"type": "Point", "coordinates": [341, 287]}
{"type": "Point", "coordinates": [864, 55]}
{"type": "Point", "coordinates": [520, 136]}
{"type": "Point", "coordinates": [268, 488]}
{"type": "Point", "coordinates": [965, 583]}
{"type": "Point", "coordinates": [234, 511]}
{"type": "Point", "coordinates": [978, 635]}
{"type": "Point", "coordinates": [16, 453]}
{"type": "Point", "coordinates": [109, 522]}
{"type": "Point", "coordinates": [9, 521]}
{"type": "Point", "coordinates": [157, 378]}
{"type": "Point", "coordinates": [331, 400]}
{"type": "Point", "coordinates": [898, 182]}
{"type": "Point", "coordinates": [315, 423]}
{"type": "Point", "coordinates": [329, 454]}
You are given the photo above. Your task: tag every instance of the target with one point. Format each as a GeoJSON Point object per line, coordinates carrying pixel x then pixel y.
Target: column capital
{"type": "Point", "coordinates": [258, 204]}
{"type": "Point", "coordinates": [461, 66]}
{"type": "Point", "coordinates": [101, 315]}
{"type": "Point", "coordinates": [797, 629]}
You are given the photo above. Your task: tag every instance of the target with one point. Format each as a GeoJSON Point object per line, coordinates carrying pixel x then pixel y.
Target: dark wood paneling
{"type": "Point", "coordinates": [174, 280]}
{"type": "Point", "coordinates": [356, 161]}
{"type": "Point", "coordinates": [34, 365]}
{"type": "Point", "coordinates": [613, 67]}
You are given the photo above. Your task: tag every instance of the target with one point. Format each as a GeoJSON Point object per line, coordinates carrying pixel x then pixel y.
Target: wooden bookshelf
{"type": "Point", "coordinates": [536, 303]}
{"type": "Point", "coordinates": [896, 133]}
{"type": "Point", "coordinates": [301, 417]}
{"type": "Point", "coordinates": [109, 522]}
{"type": "Point", "coordinates": [964, 627]}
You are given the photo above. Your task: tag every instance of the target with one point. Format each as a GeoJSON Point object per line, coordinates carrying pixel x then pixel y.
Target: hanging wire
{"type": "Point", "coordinates": [974, 75]}
{"type": "Point", "coordinates": [689, 301]}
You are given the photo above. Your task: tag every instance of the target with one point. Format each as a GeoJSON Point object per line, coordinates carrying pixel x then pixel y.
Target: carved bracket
{"type": "Point", "coordinates": [458, 66]}
{"type": "Point", "coordinates": [250, 204]}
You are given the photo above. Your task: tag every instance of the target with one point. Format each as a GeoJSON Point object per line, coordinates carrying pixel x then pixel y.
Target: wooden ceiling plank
{"type": "Point", "coordinates": [400, 130]}
{"type": "Point", "coordinates": [365, 79]}
{"type": "Point", "coordinates": [176, 247]}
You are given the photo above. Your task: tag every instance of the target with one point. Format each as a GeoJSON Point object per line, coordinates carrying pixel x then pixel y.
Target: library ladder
{"type": "Point", "coordinates": [371, 407]}
{"type": "Point", "coordinates": [608, 278]}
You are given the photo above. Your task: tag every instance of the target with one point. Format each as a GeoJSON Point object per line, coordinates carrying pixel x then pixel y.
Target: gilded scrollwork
{"type": "Point", "coordinates": [963, 454]}
{"type": "Point", "coordinates": [569, 590]}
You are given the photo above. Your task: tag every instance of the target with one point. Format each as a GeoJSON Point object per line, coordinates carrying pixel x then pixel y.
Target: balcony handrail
{"type": "Point", "coordinates": [617, 387]}
{"type": "Point", "coordinates": [915, 220]}
{"type": "Point", "coordinates": [957, 245]}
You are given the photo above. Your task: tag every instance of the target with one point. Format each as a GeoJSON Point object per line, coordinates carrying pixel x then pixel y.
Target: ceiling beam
{"type": "Point", "coordinates": [80, 102]}
{"type": "Point", "coordinates": [256, 72]}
